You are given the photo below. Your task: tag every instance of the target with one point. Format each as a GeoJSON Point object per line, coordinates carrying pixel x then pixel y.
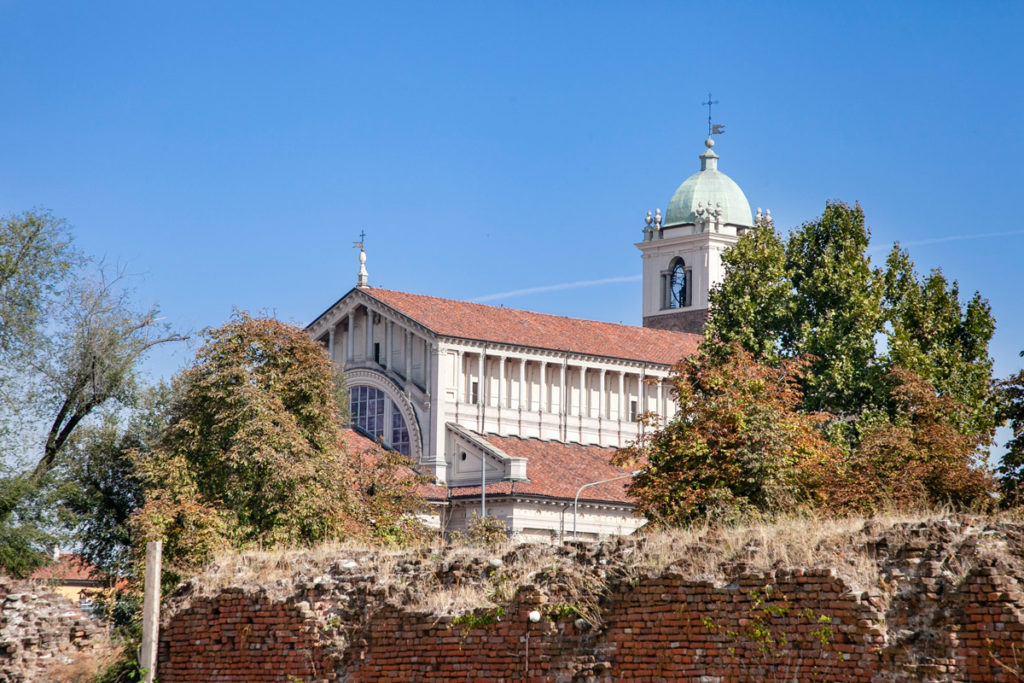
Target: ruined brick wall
{"type": "Point", "coordinates": [925, 621]}
{"type": "Point", "coordinates": [41, 631]}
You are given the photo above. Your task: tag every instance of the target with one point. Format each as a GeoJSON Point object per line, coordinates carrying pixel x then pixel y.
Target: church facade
{"type": "Point", "coordinates": [516, 414]}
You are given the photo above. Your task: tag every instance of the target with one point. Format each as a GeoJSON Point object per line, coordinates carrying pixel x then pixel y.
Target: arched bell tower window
{"type": "Point", "coordinates": [676, 285]}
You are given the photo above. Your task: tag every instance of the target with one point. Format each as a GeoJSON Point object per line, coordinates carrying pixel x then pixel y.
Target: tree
{"type": "Point", "coordinates": [1011, 469]}
{"type": "Point", "coordinates": [837, 309]}
{"type": "Point", "coordinates": [932, 334]}
{"type": "Point", "coordinates": [98, 488]}
{"type": "Point", "coordinates": [817, 295]}
{"type": "Point", "coordinates": [753, 305]}
{"type": "Point", "coordinates": [70, 343]}
{"type": "Point", "coordinates": [738, 446]}
{"type": "Point", "coordinates": [89, 362]}
{"type": "Point", "coordinates": [921, 457]}
{"type": "Point", "coordinates": [253, 454]}
{"type": "Point", "coordinates": [35, 258]}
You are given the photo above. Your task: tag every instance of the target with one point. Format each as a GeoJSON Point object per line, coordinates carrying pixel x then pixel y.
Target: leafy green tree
{"type": "Point", "coordinates": [816, 295]}
{"type": "Point", "coordinates": [1011, 469]}
{"type": "Point", "coordinates": [918, 458]}
{"type": "Point", "coordinates": [70, 343]}
{"type": "Point", "coordinates": [35, 259]}
{"type": "Point", "coordinates": [837, 310]}
{"type": "Point", "coordinates": [98, 488]}
{"type": "Point", "coordinates": [932, 334]}
{"type": "Point", "coordinates": [754, 304]}
{"type": "Point", "coordinates": [253, 452]}
{"type": "Point", "coordinates": [739, 445]}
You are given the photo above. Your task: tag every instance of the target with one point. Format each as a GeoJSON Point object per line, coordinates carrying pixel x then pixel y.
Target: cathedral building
{"type": "Point", "coordinates": [517, 414]}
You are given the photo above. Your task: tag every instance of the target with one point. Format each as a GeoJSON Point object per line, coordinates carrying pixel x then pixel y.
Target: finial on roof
{"type": "Point", "coordinates": [363, 281]}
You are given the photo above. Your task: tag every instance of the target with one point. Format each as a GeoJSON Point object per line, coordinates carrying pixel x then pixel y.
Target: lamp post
{"type": "Point", "coordinates": [576, 501]}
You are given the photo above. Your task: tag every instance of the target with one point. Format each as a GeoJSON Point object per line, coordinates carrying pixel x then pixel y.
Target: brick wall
{"type": "Point", "coordinates": [925, 621]}
{"type": "Point", "coordinates": [41, 632]}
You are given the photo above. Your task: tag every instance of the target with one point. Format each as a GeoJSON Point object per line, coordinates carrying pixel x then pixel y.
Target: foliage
{"type": "Point", "coordinates": [753, 305]}
{"type": "Point", "coordinates": [100, 489]}
{"type": "Point", "coordinates": [70, 343]}
{"type": "Point", "coordinates": [934, 336]}
{"type": "Point", "coordinates": [35, 259]}
{"type": "Point", "coordinates": [484, 532]}
{"type": "Point", "coordinates": [1011, 470]}
{"type": "Point", "coordinates": [739, 445]}
{"type": "Point", "coordinates": [386, 496]}
{"type": "Point", "coordinates": [918, 458]}
{"type": "Point", "coordinates": [25, 535]}
{"type": "Point", "coordinates": [253, 453]}
{"type": "Point", "coordinates": [817, 295]}
{"type": "Point", "coordinates": [782, 648]}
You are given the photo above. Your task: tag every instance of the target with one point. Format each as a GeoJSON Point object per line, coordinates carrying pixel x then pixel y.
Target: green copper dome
{"type": "Point", "coordinates": [709, 187]}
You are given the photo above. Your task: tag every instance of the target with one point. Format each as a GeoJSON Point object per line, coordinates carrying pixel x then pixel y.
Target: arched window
{"type": "Point", "coordinates": [375, 414]}
{"type": "Point", "coordinates": [677, 294]}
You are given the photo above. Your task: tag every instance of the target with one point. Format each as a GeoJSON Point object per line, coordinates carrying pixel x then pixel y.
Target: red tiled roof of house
{"type": "Point", "coordinates": [465, 320]}
{"type": "Point", "coordinates": [70, 567]}
{"type": "Point", "coordinates": [557, 470]}
{"type": "Point", "coordinates": [367, 448]}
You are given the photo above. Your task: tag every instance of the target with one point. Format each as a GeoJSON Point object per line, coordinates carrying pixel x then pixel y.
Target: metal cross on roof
{"type": "Point", "coordinates": [708, 105]}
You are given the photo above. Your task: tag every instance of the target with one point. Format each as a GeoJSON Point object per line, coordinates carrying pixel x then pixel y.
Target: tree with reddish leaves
{"type": "Point", "coordinates": [738, 447]}
{"type": "Point", "coordinates": [253, 453]}
{"type": "Point", "coordinates": [917, 458]}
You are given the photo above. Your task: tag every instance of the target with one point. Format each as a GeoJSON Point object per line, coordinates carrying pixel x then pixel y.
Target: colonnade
{"type": "Point", "coordinates": [516, 389]}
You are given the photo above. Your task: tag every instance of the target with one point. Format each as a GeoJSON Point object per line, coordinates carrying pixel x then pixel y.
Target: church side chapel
{"type": "Point", "coordinates": [515, 413]}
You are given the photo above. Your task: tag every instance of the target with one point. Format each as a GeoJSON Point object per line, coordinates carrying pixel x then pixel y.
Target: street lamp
{"type": "Point", "coordinates": [576, 501]}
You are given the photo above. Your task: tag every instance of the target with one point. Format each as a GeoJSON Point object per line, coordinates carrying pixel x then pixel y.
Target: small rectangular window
{"type": "Point", "coordinates": [376, 352]}
{"type": "Point", "coordinates": [474, 392]}
{"type": "Point", "coordinates": [632, 411]}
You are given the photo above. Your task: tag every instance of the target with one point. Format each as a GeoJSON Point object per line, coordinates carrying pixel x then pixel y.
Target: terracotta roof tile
{"type": "Point", "coordinates": [70, 567]}
{"type": "Point", "coordinates": [367, 448]}
{"type": "Point", "coordinates": [557, 470]}
{"type": "Point", "coordinates": [465, 320]}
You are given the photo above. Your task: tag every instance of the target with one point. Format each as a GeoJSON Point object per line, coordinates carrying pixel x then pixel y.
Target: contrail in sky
{"type": "Point", "coordinates": [954, 238]}
{"type": "Point", "coordinates": [553, 288]}
{"type": "Point", "coordinates": [636, 278]}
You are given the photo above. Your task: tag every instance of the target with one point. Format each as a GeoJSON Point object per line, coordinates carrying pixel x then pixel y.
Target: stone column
{"type": "Point", "coordinates": [350, 337]}
{"type": "Point", "coordinates": [481, 384]}
{"type": "Point", "coordinates": [458, 376]}
{"type": "Point", "coordinates": [522, 382]}
{"type": "Point", "coordinates": [389, 333]}
{"type": "Point", "coordinates": [661, 403]}
{"type": "Point", "coordinates": [369, 335]}
{"type": "Point", "coordinates": [562, 398]}
{"type": "Point", "coordinates": [330, 342]}
{"type": "Point", "coordinates": [602, 406]}
{"type": "Point", "coordinates": [542, 399]}
{"type": "Point", "coordinates": [622, 394]}
{"type": "Point", "coordinates": [501, 382]}
{"type": "Point", "coordinates": [428, 365]}
{"type": "Point", "coordinates": [408, 355]}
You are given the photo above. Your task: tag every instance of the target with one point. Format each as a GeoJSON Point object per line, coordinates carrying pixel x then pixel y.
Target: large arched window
{"type": "Point", "coordinates": [377, 415]}
{"type": "Point", "coordinates": [677, 285]}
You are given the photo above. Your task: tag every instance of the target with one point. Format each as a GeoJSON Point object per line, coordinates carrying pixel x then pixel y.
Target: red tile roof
{"type": "Point", "coordinates": [557, 470]}
{"type": "Point", "coordinates": [366, 447]}
{"type": "Point", "coordinates": [70, 567]}
{"type": "Point", "coordinates": [465, 320]}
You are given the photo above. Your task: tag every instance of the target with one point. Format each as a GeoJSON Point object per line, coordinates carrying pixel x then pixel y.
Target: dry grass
{"type": "Point", "coordinates": [714, 554]}
{"type": "Point", "coordinates": [86, 665]}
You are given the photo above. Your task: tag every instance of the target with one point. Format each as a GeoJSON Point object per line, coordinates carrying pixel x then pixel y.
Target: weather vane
{"type": "Point", "coordinates": [362, 238]}
{"type": "Point", "coordinates": [713, 128]}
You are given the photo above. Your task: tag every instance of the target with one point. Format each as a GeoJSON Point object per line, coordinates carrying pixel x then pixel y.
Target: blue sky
{"type": "Point", "coordinates": [229, 153]}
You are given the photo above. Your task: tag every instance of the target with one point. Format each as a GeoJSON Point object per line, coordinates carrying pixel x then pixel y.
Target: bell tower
{"type": "Point", "coordinates": [682, 252]}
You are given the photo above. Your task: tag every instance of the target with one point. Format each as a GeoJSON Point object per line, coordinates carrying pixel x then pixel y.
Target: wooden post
{"type": "Point", "coordinates": [151, 611]}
